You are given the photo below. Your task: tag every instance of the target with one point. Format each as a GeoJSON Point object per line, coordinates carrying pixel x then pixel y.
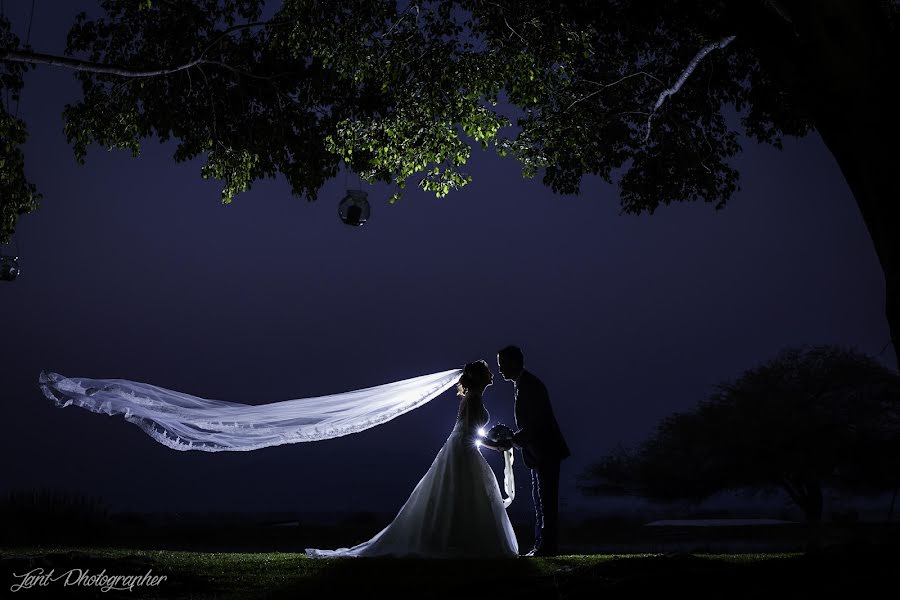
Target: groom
{"type": "Point", "coordinates": [542, 446]}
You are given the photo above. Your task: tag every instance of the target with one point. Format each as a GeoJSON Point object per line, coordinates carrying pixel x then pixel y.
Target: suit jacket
{"type": "Point", "coordinates": [538, 432]}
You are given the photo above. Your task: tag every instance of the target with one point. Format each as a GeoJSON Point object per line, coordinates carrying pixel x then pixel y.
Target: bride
{"type": "Point", "coordinates": [455, 511]}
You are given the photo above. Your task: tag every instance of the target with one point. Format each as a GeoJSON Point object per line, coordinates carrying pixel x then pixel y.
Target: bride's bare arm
{"type": "Point", "coordinates": [487, 444]}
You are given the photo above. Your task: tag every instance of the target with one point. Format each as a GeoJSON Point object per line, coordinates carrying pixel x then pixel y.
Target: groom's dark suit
{"type": "Point", "coordinates": [543, 447]}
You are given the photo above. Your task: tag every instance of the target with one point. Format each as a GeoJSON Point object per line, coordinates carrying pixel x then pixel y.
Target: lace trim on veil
{"type": "Point", "coordinates": [184, 422]}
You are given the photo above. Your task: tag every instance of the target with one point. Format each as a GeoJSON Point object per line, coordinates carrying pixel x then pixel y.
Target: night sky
{"type": "Point", "coordinates": [132, 268]}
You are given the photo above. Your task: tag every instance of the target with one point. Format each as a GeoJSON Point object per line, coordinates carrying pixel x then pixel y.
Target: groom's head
{"type": "Point", "coordinates": [511, 362]}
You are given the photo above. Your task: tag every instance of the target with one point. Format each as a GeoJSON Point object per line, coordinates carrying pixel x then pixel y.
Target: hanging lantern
{"type": "Point", "coordinates": [354, 209]}
{"type": "Point", "coordinates": [9, 267]}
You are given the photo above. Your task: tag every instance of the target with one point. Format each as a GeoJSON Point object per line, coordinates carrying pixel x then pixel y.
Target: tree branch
{"type": "Point", "coordinates": [76, 64]}
{"type": "Point", "coordinates": [603, 86]}
{"type": "Point", "coordinates": [37, 58]}
{"type": "Point", "coordinates": [698, 58]}
{"type": "Point", "coordinates": [776, 7]}
{"type": "Point", "coordinates": [231, 30]}
{"type": "Point", "coordinates": [793, 490]}
{"type": "Point", "coordinates": [403, 15]}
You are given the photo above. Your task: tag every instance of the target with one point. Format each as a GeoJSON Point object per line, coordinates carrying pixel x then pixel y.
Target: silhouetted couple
{"type": "Point", "coordinates": [456, 510]}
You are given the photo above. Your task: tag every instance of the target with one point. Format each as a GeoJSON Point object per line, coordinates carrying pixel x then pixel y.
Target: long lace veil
{"type": "Point", "coordinates": [185, 422]}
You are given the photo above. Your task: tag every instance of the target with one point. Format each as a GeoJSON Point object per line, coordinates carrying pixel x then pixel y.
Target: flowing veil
{"type": "Point", "coordinates": [184, 422]}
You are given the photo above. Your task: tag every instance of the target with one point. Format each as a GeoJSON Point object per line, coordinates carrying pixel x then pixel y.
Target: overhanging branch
{"type": "Point", "coordinates": [37, 58]}
{"type": "Point", "coordinates": [698, 58]}
{"type": "Point", "coordinates": [76, 64]}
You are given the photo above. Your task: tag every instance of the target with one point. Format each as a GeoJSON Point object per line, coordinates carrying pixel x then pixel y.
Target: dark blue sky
{"type": "Point", "coordinates": [132, 268]}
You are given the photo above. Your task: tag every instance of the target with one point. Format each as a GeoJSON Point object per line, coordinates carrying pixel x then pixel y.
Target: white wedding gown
{"type": "Point", "coordinates": [455, 511]}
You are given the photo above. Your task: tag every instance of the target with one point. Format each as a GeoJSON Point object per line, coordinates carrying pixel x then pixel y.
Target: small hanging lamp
{"type": "Point", "coordinates": [354, 209]}
{"type": "Point", "coordinates": [9, 267]}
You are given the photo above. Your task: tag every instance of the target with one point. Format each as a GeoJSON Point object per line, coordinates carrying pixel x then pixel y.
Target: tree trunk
{"type": "Point", "coordinates": [808, 498]}
{"type": "Point", "coordinates": [813, 510]}
{"type": "Point", "coordinates": [890, 516]}
{"type": "Point", "coordinates": [853, 59]}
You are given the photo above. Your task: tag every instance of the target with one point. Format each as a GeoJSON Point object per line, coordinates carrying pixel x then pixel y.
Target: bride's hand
{"type": "Point", "coordinates": [483, 443]}
{"type": "Point", "coordinates": [487, 444]}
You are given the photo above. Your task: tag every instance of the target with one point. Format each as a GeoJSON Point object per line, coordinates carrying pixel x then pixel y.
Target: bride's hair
{"type": "Point", "coordinates": [474, 374]}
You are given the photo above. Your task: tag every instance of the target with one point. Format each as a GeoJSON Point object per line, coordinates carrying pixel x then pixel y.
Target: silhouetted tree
{"type": "Point", "coordinates": [809, 418]}
{"type": "Point", "coordinates": [635, 91]}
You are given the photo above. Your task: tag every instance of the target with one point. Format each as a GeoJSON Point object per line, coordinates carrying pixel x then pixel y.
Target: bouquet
{"type": "Point", "coordinates": [499, 436]}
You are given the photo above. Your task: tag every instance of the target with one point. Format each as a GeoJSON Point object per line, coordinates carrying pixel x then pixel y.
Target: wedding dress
{"type": "Point", "coordinates": [455, 511]}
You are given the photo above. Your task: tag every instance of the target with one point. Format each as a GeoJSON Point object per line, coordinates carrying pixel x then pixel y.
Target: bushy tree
{"type": "Point", "coordinates": [808, 419]}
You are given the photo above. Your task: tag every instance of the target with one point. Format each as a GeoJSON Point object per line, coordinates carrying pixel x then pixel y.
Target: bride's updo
{"type": "Point", "coordinates": [475, 375]}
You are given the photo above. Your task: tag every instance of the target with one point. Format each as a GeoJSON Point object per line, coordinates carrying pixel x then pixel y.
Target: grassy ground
{"type": "Point", "coordinates": [838, 573]}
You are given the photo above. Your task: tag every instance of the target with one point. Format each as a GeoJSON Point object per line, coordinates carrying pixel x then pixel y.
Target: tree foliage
{"type": "Point", "coordinates": [807, 419]}
{"type": "Point", "coordinates": [17, 195]}
{"type": "Point", "coordinates": [400, 92]}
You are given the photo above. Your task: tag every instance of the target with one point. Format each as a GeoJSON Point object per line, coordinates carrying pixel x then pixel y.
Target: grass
{"type": "Point", "coordinates": [229, 575]}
